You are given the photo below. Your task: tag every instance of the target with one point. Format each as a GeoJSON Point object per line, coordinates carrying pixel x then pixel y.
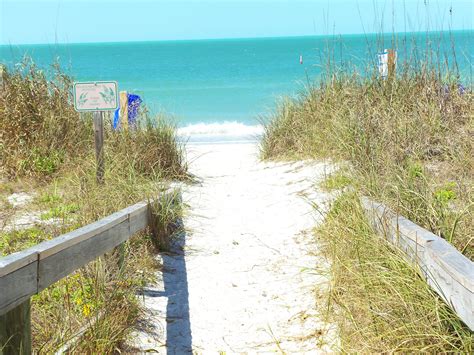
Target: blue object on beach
{"type": "Point", "coordinates": [134, 102]}
{"type": "Point", "coordinates": [116, 121]}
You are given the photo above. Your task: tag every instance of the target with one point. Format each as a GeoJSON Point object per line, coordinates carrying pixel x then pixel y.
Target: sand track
{"type": "Point", "coordinates": [246, 276]}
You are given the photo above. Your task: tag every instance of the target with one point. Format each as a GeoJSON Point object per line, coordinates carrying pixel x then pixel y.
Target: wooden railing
{"type": "Point", "coordinates": [30, 271]}
{"type": "Point", "coordinates": [449, 273]}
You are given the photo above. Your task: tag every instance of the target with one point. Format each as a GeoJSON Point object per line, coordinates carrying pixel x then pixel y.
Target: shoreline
{"type": "Point", "coordinates": [224, 132]}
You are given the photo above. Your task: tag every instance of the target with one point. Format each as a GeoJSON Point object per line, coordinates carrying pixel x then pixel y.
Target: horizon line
{"type": "Point", "coordinates": [238, 38]}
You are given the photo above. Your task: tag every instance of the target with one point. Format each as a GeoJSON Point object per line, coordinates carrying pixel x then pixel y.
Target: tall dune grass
{"type": "Point", "coordinates": [42, 133]}
{"type": "Point", "coordinates": [408, 142]}
{"type": "Point", "coordinates": [48, 149]}
{"type": "Point", "coordinates": [379, 301]}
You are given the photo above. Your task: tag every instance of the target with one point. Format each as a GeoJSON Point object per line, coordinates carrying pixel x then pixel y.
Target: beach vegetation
{"type": "Point", "coordinates": [338, 180]}
{"type": "Point", "coordinates": [378, 300]}
{"type": "Point", "coordinates": [407, 141]}
{"type": "Point", "coordinates": [47, 151]}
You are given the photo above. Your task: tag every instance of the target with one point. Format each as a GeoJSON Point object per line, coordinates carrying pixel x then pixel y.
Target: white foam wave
{"type": "Point", "coordinates": [216, 131]}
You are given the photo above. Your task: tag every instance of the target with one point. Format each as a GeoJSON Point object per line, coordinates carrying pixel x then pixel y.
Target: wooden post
{"type": "Point", "coordinates": [124, 110]}
{"type": "Point", "coordinates": [99, 145]}
{"type": "Point", "coordinates": [15, 330]}
{"type": "Point", "coordinates": [392, 62]}
{"type": "Point", "coordinates": [1, 77]}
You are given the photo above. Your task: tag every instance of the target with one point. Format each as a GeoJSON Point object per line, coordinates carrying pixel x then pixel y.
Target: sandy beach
{"type": "Point", "coordinates": [246, 276]}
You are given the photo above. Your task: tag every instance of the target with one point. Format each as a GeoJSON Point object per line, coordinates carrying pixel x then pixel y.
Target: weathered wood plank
{"type": "Point", "coordinates": [18, 286]}
{"type": "Point", "coordinates": [445, 269]}
{"type": "Point", "coordinates": [64, 241]}
{"type": "Point", "coordinates": [15, 330]}
{"type": "Point", "coordinates": [447, 258]}
{"type": "Point", "coordinates": [67, 240]}
{"type": "Point", "coordinates": [59, 265]}
{"type": "Point", "coordinates": [17, 260]}
{"type": "Point", "coordinates": [27, 272]}
{"type": "Point", "coordinates": [448, 285]}
{"type": "Point", "coordinates": [136, 214]}
{"type": "Point", "coordinates": [138, 219]}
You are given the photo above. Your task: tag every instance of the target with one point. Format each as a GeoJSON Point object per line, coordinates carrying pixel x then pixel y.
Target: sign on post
{"type": "Point", "coordinates": [97, 96]}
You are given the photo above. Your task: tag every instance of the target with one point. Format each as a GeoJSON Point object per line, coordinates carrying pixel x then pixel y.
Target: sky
{"type": "Point", "coordinates": [77, 21]}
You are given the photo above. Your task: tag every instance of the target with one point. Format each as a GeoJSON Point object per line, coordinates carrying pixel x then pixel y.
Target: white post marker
{"type": "Point", "coordinates": [383, 64]}
{"type": "Point", "coordinates": [97, 97]}
{"type": "Point", "coordinates": [387, 62]}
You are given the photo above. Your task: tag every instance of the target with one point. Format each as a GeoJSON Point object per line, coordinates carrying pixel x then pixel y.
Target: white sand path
{"type": "Point", "coordinates": [247, 277]}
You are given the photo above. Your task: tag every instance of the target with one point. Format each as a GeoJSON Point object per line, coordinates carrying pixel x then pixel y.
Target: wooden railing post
{"type": "Point", "coordinates": [15, 330]}
{"type": "Point", "coordinates": [99, 145]}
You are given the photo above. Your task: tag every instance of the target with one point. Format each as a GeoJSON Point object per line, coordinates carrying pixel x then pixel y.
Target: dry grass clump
{"type": "Point", "coordinates": [409, 140]}
{"type": "Point", "coordinates": [40, 129]}
{"type": "Point", "coordinates": [380, 303]}
{"type": "Point", "coordinates": [151, 150]}
{"type": "Point", "coordinates": [42, 134]}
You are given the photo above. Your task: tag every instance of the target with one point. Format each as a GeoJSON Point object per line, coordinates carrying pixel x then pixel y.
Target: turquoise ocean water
{"type": "Point", "coordinates": [223, 86]}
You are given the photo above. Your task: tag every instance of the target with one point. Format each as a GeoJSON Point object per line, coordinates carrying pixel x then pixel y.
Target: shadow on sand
{"type": "Point", "coordinates": [178, 325]}
{"type": "Point", "coordinates": [175, 282]}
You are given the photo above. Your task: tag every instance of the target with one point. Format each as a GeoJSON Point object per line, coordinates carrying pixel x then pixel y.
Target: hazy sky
{"type": "Point", "coordinates": [70, 21]}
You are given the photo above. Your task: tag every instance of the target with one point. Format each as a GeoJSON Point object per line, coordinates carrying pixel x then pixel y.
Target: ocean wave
{"type": "Point", "coordinates": [220, 131]}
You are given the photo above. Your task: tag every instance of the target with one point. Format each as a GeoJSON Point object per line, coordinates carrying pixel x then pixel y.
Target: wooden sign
{"type": "Point", "coordinates": [95, 96]}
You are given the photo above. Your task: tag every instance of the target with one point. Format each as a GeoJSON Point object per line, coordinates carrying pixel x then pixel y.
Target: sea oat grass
{"type": "Point", "coordinates": [41, 133]}
{"type": "Point", "coordinates": [409, 141]}
{"type": "Point", "coordinates": [379, 301]}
